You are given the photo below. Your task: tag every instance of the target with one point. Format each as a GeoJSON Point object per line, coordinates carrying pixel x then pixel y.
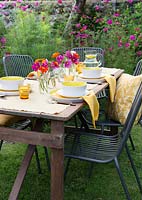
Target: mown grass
{"type": "Point", "coordinates": [104, 183]}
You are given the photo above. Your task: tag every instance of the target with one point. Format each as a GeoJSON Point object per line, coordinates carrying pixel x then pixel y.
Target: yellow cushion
{"type": "Point", "coordinates": [127, 86]}
{"type": "Point", "coordinates": [7, 120]}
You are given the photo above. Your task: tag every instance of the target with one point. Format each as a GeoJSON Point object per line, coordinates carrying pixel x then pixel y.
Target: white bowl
{"type": "Point", "coordinates": [74, 88]}
{"type": "Point", "coordinates": [11, 82]}
{"type": "Point", "coordinates": [92, 72]}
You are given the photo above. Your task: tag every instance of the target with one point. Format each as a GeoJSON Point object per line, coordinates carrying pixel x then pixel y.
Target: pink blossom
{"type": "Point", "coordinates": [117, 23]}
{"type": "Point", "coordinates": [109, 21]}
{"type": "Point", "coordinates": [72, 33]}
{"type": "Point", "coordinates": [78, 25]}
{"type": "Point", "coordinates": [116, 14]}
{"type": "Point", "coordinates": [105, 29]}
{"type": "Point", "coordinates": [137, 29]}
{"type": "Point", "coordinates": [59, 58]}
{"type": "Point", "coordinates": [24, 8]}
{"type": "Point", "coordinates": [136, 44]}
{"type": "Point", "coordinates": [130, 1]}
{"type": "Point", "coordinates": [76, 9]}
{"type": "Point", "coordinates": [139, 53]}
{"type": "Point", "coordinates": [2, 5]}
{"type": "Point", "coordinates": [106, 1]}
{"type": "Point", "coordinates": [110, 49]}
{"type": "Point", "coordinates": [19, 1]}
{"type": "Point", "coordinates": [99, 20]}
{"type": "Point", "coordinates": [3, 40]}
{"type": "Point", "coordinates": [59, 1]}
{"type": "Point", "coordinates": [82, 35]}
{"type": "Point", "coordinates": [120, 43]}
{"type": "Point", "coordinates": [127, 44]}
{"type": "Point", "coordinates": [97, 8]}
{"type": "Point", "coordinates": [54, 65]}
{"type": "Point", "coordinates": [132, 37]}
{"type": "Point", "coordinates": [84, 28]}
{"type": "Point", "coordinates": [68, 63]}
{"type": "Point", "coordinates": [36, 3]}
{"type": "Point", "coordinates": [14, 4]}
{"type": "Point", "coordinates": [68, 54]}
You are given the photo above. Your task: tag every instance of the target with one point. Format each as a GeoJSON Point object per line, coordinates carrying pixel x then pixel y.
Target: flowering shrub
{"type": "Point", "coordinates": [121, 37]}
{"type": "Point", "coordinates": [118, 32]}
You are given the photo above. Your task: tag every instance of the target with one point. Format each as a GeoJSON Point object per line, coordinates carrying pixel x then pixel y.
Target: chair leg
{"type": "Point", "coordinates": [90, 169]}
{"type": "Point", "coordinates": [47, 158]}
{"type": "Point", "coordinates": [1, 142]}
{"type": "Point", "coordinates": [132, 143]}
{"type": "Point", "coordinates": [122, 179]}
{"type": "Point", "coordinates": [67, 167]}
{"type": "Point", "coordinates": [37, 161]}
{"type": "Point", "coordinates": [134, 168]}
{"type": "Point", "coordinates": [75, 121]}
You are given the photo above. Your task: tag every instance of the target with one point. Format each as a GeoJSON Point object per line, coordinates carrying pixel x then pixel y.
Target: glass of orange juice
{"type": "Point", "coordinates": [24, 91]}
{"type": "Point", "coordinates": [68, 77]}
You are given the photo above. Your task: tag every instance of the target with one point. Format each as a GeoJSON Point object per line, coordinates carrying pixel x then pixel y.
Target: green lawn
{"type": "Point", "coordinates": [103, 185]}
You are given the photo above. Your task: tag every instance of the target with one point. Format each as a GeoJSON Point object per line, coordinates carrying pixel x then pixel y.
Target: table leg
{"type": "Point", "coordinates": [22, 173]}
{"type": "Point", "coordinates": [57, 164]}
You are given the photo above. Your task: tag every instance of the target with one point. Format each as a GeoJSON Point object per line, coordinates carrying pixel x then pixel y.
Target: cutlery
{"type": "Point", "coordinates": [69, 103]}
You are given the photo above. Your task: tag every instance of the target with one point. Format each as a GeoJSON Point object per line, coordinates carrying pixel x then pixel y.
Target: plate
{"type": "Point", "coordinates": [85, 77]}
{"type": "Point", "coordinates": [60, 92]}
{"type": "Point", "coordinates": [61, 99]}
{"type": "Point", "coordinates": [31, 78]}
{"type": "Point", "coordinates": [9, 93]}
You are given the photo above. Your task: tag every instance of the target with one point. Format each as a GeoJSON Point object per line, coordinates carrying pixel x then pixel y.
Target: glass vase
{"type": "Point", "coordinates": [44, 83]}
{"type": "Point", "coordinates": [70, 73]}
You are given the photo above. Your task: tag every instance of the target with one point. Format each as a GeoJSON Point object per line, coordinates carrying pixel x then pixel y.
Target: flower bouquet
{"type": "Point", "coordinates": [65, 64]}
{"type": "Point", "coordinates": [60, 65]}
{"type": "Point", "coordinates": [41, 66]}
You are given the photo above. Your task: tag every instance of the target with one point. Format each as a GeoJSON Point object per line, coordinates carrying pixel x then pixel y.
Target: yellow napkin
{"type": "Point", "coordinates": [111, 80]}
{"type": "Point", "coordinates": [93, 104]}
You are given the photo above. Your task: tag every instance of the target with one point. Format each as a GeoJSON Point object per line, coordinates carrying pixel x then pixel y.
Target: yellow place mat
{"type": "Point", "coordinates": [1, 90]}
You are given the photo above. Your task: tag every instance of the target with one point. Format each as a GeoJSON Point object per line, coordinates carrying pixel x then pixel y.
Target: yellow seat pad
{"type": "Point", "coordinates": [127, 86]}
{"type": "Point", "coordinates": [7, 120]}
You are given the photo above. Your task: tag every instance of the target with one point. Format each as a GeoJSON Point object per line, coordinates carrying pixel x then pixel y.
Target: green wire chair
{"type": "Point", "coordinates": [20, 65]}
{"type": "Point", "coordinates": [87, 145]}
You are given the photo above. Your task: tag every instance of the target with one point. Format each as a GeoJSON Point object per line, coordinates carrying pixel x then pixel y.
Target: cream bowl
{"type": "Point", "coordinates": [92, 72]}
{"type": "Point", "coordinates": [11, 82]}
{"type": "Point", "coordinates": [74, 88]}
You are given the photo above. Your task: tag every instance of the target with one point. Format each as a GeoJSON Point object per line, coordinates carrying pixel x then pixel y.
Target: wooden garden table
{"type": "Point", "coordinates": [54, 140]}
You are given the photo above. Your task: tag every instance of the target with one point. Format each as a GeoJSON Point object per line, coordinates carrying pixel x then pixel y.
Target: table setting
{"type": "Point", "coordinates": [46, 89]}
{"type": "Point", "coordinates": [59, 102]}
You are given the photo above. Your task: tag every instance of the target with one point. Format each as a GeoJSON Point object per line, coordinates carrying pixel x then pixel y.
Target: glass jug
{"type": "Point", "coordinates": [93, 59]}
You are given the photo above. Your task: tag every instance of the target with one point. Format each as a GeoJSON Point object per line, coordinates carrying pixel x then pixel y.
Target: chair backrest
{"type": "Point", "coordinates": [137, 103]}
{"type": "Point", "coordinates": [17, 65]}
{"type": "Point", "coordinates": [138, 68]}
{"type": "Point", "coordinates": [81, 52]}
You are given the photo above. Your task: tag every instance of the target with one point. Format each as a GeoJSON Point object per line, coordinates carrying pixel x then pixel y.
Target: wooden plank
{"type": "Point", "coordinates": [22, 173]}
{"type": "Point", "coordinates": [31, 137]}
{"type": "Point", "coordinates": [57, 164]}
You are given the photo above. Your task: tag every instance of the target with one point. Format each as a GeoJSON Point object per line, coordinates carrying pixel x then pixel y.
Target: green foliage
{"type": "Point", "coordinates": [32, 34]}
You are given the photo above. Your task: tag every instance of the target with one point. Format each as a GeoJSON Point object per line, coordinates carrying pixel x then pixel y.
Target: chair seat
{"type": "Point", "coordinates": [91, 147]}
{"type": "Point", "coordinates": [8, 120]}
